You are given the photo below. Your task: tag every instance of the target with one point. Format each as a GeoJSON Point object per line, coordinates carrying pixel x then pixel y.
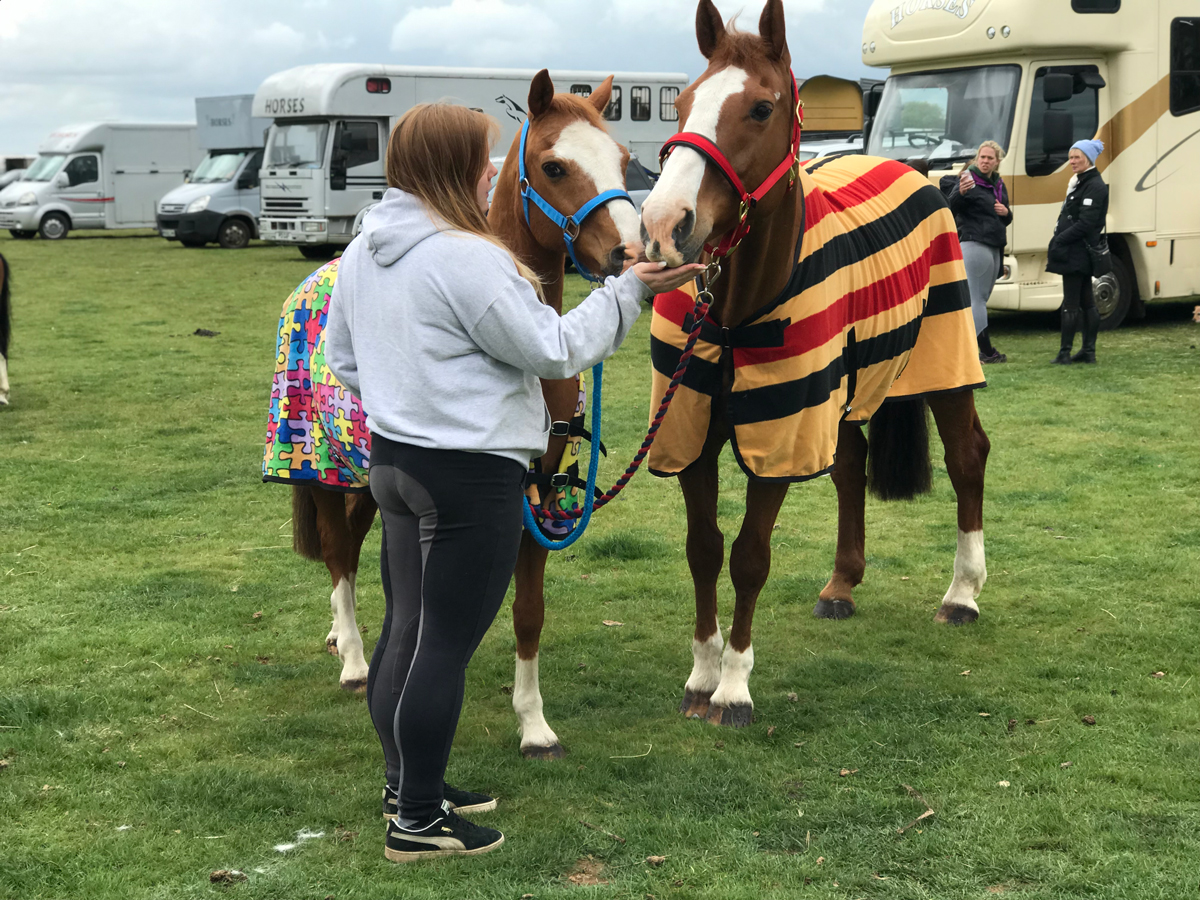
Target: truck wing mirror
{"type": "Point", "coordinates": [1090, 80]}
{"type": "Point", "coordinates": [871, 103]}
{"type": "Point", "coordinates": [248, 181]}
{"type": "Point", "coordinates": [1058, 87]}
{"type": "Point", "coordinates": [1058, 129]}
{"type": "Point", "coordinates": [62, 180]}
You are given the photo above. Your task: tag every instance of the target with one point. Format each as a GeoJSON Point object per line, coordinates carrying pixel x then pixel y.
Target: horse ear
{"type": "Point", "coordinates": [541, 92]}
{"type": "Point", "coordinates": [709, 28]}
{"type": "Point", "coordinates": [601, 96]}
{"type": "Point", "coordinates": [772, 29]}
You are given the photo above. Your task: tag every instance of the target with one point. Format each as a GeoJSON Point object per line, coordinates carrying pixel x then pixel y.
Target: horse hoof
{"type": "Point", "coordinates": [694, 705]}
{"type": "Point", "coordinates": [737, 716]}
{"type": "Point", "coordinates": [355, 685]}
{"type": "Point", "coordinates": [956, 615]}
{"type": "Point", "coordinates": [331, 646]}
{"type": "Point", "coordinates": [555, 751]}
{"type": "Point", "coordinates": [834, 609]}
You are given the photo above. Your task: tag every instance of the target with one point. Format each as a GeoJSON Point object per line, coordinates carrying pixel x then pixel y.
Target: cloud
{"type": "Point", "coordinates": [489, 32]}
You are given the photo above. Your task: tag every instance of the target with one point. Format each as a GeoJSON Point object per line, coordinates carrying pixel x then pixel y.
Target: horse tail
{"type": "Point", "coordinates": [5, 320]}
{"type": "Point", "coordinates": [898, 466]}
{"type": "Point", "coordinates": [306, 539]}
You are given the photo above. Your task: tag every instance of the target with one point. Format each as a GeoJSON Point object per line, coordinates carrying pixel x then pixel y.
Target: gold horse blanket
{"type": "Point", "coordinates": [876, 308]}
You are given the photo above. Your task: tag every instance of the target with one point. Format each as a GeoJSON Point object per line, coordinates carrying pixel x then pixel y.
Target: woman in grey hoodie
{"type": "Point", "coordinates": [442, 333]}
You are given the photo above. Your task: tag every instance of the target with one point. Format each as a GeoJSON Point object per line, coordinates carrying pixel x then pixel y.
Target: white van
{"type": "Point", "coordinates": [98, 175]}
{"type": "Point", "coordinates": [324, 158]}
{"type": "Point", "coordinates": [220, 202]}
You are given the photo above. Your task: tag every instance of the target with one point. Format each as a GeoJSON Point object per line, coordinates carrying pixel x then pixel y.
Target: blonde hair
{"type": "Point", "coordinates": [999, 151]}
{"type": "Point", "coordinates": [438, 152]}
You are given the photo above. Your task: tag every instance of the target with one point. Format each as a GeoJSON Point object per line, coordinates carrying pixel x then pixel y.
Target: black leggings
{"type": "Point", "coordinates": [451, 529]}
{"type": "Point", "coordinates": [1077, 293]}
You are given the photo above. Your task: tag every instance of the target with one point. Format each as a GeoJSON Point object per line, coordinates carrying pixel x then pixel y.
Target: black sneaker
{"type": "Point", "coordinates": [994, 357]}
{"type": "Point", "coordinates": [463, 802]}
{"type": "Point", "coordinates": [448, 835]}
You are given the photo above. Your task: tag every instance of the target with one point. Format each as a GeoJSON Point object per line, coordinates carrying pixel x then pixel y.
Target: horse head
{"type": "Point", "coordinates": [569, 159]}
{"type": "Point", "coordinates": [743, 103]}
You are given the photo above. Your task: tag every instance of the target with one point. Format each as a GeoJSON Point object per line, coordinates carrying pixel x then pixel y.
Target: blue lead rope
{"type": "Point", "coordinates": [589, 499]}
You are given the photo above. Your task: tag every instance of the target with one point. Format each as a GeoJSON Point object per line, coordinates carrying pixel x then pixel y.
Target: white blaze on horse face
{"type": "Point", "coordinates": [599, 158]}
{"type": "Point", "coordinates": [970, 571]}
{"type": "Point", "coordinates": [679, 184]}
{"type": "Point", "coordinates": [734, 689]}
{"type": "Point", "coordinates": [527, 704]}
{"type": "Point", "coordinates": [706, 665]}
{"type": "Point", "coordinates": [345, 632]}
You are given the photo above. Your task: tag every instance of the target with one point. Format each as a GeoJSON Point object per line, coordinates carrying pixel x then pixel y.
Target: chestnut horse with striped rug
{"type": "Point", "coordinates": [316, 435]}
{"type": "Point", "coordinates": [847, 290]}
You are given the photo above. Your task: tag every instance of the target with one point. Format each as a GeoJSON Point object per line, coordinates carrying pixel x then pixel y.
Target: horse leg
{"type": "Point", "coordinates": [967, 449]}
{"type": "Point", "coordinates": [749, 566]}
{"type": "Point", "coordinates": [705, 556]}
{"type": "Point", "coordinates": [339, 550]}
{"type": "Point", "coordinates": [538, 740]}
{"type": "Point", "coordinates": [849, 562]}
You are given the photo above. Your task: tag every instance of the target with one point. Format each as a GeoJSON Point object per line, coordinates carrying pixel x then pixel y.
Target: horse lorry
{"type": "Point", "coordinates": [1036, 77]}
{"type": "Point", "coordinates": [98, 175]}
{"type": "Point", "coordinates": [220, 201]}
{"type": "Point", "coordinates": [325, 151]}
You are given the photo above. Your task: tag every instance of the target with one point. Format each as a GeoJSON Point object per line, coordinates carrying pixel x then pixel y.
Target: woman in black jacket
{"type": "Point", "coordinates": [979, 201]}
{"type": "Point", "coordinates": [1080, 223]}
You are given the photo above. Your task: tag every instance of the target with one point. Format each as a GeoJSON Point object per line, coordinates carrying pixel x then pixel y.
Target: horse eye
{"type": "Point", "coordinates": [761, 112]}
{"type": "Point", "coordinates": [553, 170]}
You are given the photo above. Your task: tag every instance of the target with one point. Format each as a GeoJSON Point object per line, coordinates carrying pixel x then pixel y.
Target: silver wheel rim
{"type": "Point", "coordinates": [54, 228]}
{"type": "Point", "coordinates": [237, 233]}
{"type": "Point", "coordinates": [1107, 292]}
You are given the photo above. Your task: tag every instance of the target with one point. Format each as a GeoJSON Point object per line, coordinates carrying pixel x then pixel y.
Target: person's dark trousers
{"type": "Point", "coordinates": [451, 530]}
{"type": "Point", "coordinates": [1078, 302]}
{"type": "Point", "coordinates": [1091, 328]}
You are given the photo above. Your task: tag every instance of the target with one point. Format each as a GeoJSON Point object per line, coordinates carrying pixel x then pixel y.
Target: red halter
{"type": "Point", "coordinates": [747, 200]}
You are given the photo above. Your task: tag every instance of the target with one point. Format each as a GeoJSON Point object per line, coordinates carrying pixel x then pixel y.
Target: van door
{"type": "Point", "coordinates": [247, 185]}
{"type": "Point", "coordinates": [356, 176]}
{"type": "Point", "coordinates": [1172, 177]}
{"type": "Point", "coordinates": [84, 191]}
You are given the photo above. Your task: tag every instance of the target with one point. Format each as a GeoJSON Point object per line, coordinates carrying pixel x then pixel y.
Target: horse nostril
{"type": "Point", "coordinates": [683, 230]}
{"type": "Point", "coordinates": [616, 259]}
{"type": "Point", "coordinates": [645, 235]}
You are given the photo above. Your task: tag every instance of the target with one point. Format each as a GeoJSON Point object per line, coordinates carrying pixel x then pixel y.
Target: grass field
{"type": "Point", "coordinates": [167, 708]}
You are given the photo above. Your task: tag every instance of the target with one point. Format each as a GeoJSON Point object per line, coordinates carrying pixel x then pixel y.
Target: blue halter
{"type": "Point", "coordinates": [570, 225]}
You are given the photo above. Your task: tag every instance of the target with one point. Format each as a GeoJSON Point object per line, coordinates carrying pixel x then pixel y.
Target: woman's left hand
{"type": "Point", "coordinates": [1001, 209]}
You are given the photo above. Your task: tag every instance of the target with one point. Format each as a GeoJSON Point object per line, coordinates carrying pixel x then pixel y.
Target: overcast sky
{"type": "Point", "coordinates": [65, 61]}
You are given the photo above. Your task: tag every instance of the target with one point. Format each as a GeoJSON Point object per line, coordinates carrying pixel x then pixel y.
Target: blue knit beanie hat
{"type": "Point", "coordinates": [1090, 148]}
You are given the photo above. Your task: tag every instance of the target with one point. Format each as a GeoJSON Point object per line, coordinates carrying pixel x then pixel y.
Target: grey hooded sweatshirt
{"type": "Point", "coordinates": [445, 342]}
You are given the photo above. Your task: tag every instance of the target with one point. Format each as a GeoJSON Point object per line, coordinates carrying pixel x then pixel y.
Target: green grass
{"type": "Point", "coordinates": [155, 729]}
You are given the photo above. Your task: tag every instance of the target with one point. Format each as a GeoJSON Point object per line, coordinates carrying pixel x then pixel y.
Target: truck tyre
{"type": "Point", "coordinates": [1114, 294]}
{"type": "Point", "coordinates": [22, 234]}
{"type": "Point", "coordinates": [55, 226]}
{"type": "Point", "coordinates": [192, 242]}
{"type": "Point", "coordinates": [317, 251]}
{"type": "Point", "coordinates": [234, 234]}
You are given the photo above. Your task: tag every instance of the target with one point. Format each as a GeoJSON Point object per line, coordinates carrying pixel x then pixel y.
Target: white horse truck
{"type": "Point", "coordinates": [98, 175]}
{"type": "Point", "coordinates": [220, 202]}
{"type": "Point", "coordinates": [1036, 76]}
{"type": "Point", "coordinates": [325, 152]}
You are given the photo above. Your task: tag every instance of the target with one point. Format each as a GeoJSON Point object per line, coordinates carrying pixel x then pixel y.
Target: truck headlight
{"type": "Point", "coordinates": [311, 227]}
{"type": "Point", "coordinates": [27, 199]}
{"type": "Point", "coordinates": [200, 204]}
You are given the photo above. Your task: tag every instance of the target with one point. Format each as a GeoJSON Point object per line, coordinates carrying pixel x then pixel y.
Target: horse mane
{"type": "Point", "coordinates": [5, 322]}
{"type": "Point", "coordinates": [741, 49]}
{"type": "Point", "coordinates": [574, 105]}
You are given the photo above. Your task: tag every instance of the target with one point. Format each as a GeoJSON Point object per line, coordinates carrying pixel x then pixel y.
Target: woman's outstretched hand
{"type": "Point", "coordinates": [660, 279]}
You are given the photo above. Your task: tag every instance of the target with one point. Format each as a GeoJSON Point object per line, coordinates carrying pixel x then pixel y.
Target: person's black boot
{"type": "Point", "coordinates": [1091, 327]}
{"type": "Point", "coordinates": [1070, 324]}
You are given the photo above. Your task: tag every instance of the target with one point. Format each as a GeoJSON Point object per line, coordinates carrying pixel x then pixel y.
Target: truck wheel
{"type": "Point", "coordinates": [54, 227]}
{"type": "Point", "coordinates": [317, 251]}
{"type": "Point", "coordinates": [191, 242]}
{"type": "Point", "coordinates": [22, 234]}
{"type": "Point", "coordinates": [1114, 293]}
{"type": "Point", "coordinates": [234, 234]}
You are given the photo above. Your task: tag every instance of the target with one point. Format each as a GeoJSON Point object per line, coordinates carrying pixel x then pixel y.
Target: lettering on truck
{"type": "Point", "coordinates": [960, 8]}
{"type": "Point", "coordinates": [282, 106]}
{"type": "Point", "coordinates": [219, 123]}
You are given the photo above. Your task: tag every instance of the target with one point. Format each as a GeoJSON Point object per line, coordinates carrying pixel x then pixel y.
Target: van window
{"type": "Point", "coordinates": [636, 178]}
{"type": "Point", "coordinates": [44, 168]}
{"type": "Point", "coordinates": [1095, 6]}
{"type": "Point", "coordinates": [583, 90]}
{"type": "Point", "coordinates": [1185, 66]}
{"type": "Point", "coordinates": [666, 104]}
{"type": "Point", "coordinates": [612, 112]}
{"type": "Point", "coordinates": [363, 143]}
{"type": "Point", "coordinates": [83, 170]}
{"type": "Point", "coordinates": [639, 104]}
{"type": "Point", "coordinates": [217, 167]}
{"type": "Point", "coordinates": [1084, 107]}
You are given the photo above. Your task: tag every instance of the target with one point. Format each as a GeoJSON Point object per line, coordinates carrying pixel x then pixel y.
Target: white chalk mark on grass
{"type": "Point", "coordinates": [301, 836]}
{"type": "Point", "coordinates": [636, 756]}
{"type": "Point", "coordinates": [124, 827]}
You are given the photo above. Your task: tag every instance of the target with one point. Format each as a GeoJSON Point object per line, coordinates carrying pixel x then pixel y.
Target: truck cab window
{"type": "Point", "coordinates": [612, 112]}
{"type": "Point", "coordinates": [1095, 6]}
{"type": "Point", "coordinates": [636, 178]}
{"type": "Point", "coordinates": [356, 143]}
{"type": "Point", "coordinates": [639, 104]}
{"type": "Point", "coordinates": [83, 169]}
{"type": "Point", "coordinates": [1185, 66]}
{"type": "Point", "coordinates": [1084, 107]}
{"type": "Point", "coordinates": [666, 104]}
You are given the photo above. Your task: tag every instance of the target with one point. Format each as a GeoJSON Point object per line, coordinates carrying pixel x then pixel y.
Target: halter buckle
{"type": "Point", "coordinates": [560, 480]}
{"type": "Point", "coordinates": [560, 429]}
{"type": "Point", "coordinates": [567, 226]}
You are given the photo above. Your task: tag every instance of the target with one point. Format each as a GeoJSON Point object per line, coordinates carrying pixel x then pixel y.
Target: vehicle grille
{"type": "Point", "coordinates": [170, 209]}
{"type": "Point", "coordinates": [283, 208]}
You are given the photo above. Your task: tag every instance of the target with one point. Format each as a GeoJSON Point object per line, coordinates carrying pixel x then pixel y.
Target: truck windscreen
{"type": "Point", "coordinates": [45, 167]}
{"type": "Point", "coordinates": [944, 116]}
{"type": "Point", "coordinates": [217, 167]}
{"type": "Point", "coordinates": [297, 144]}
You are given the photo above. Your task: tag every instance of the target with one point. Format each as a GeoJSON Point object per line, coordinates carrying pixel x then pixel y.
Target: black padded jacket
{"type": "Point", "coordinates": [1080, 220]}
{"type": "Point", "coordinates": [975, 213]}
